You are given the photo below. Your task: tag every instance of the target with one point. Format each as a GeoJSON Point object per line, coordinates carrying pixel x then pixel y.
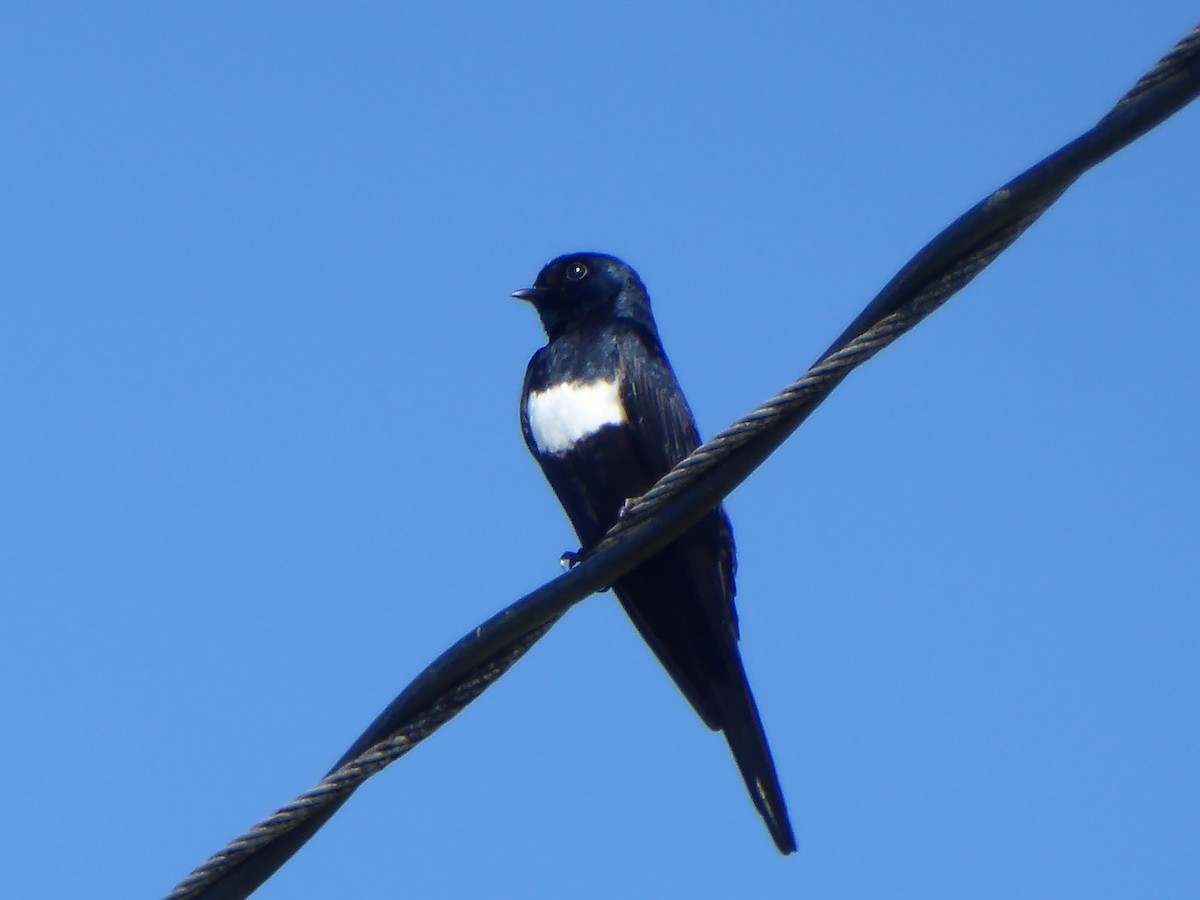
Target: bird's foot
{"type": "Point", "coordinates": [572, 558]}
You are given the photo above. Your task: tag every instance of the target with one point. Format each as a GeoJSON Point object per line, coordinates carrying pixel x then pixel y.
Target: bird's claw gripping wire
{"type": "Point", "coordinates": [571, 558]}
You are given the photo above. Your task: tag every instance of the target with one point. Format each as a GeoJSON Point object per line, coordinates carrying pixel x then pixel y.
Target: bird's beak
{"type": "Point", "coordinates": [527, 294]}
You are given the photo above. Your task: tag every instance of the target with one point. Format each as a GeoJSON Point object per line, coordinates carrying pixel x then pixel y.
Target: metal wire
{"type": "Point", "coordinates": [700, 481]}
{"type": "Point", "coordinates": [272, 841]}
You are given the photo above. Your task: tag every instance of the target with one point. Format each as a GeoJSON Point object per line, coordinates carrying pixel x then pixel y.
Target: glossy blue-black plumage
{"type": "Point", "coordinates": [596, 314]}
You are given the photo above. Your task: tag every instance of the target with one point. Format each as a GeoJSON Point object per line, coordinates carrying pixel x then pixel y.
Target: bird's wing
{"type": "Point", "coordinates": [654, 404]}
{"type": "Point", "coordinates": [664, 432]}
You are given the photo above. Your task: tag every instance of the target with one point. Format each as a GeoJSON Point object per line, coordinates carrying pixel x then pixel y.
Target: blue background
{"type": "Point", "coordinates": [260, 462]}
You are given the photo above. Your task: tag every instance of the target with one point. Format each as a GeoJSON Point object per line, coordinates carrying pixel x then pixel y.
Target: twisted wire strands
{"type": "Point", "coordinates": [308, 812]}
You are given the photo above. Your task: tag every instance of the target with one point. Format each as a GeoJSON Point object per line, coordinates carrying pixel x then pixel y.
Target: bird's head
{"type": "Point", "coordinates": [587, 287]}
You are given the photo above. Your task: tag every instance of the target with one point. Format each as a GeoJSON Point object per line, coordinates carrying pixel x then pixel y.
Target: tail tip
{"type": "Point", "coordinates": [777, 820]}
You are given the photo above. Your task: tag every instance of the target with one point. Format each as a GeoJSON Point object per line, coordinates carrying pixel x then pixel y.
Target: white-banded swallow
{"type": "Point", "coordinates": [603, 414]}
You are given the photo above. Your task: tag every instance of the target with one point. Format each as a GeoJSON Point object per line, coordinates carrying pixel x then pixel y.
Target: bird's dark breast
{"type": "Point", "coordinates": [577, 357]}
{"type": "Point", "coordinates": [595, 478]}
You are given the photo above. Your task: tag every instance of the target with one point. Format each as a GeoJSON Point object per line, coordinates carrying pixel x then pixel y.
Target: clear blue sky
{"type": "Point", "coordinates": [260, 462]}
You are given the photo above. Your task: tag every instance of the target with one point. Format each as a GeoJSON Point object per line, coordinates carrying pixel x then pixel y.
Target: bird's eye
{"type": "Point", "coordinates": [576, 271]}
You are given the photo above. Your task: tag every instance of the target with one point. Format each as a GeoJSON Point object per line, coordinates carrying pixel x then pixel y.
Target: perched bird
{"type": "Point", "coordinates": [605, 418]}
